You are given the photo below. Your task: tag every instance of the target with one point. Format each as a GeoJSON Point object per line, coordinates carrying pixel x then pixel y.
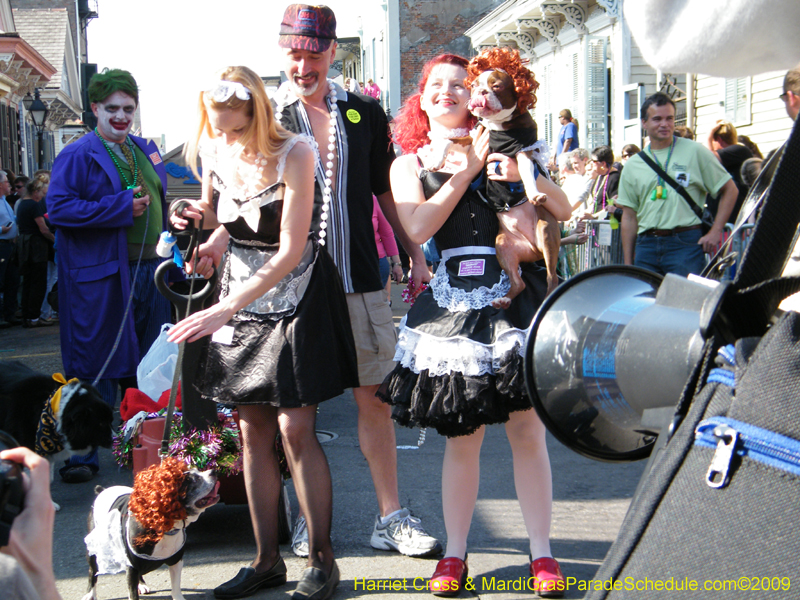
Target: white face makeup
{"type": "Point", "coordinates": [115, 116]}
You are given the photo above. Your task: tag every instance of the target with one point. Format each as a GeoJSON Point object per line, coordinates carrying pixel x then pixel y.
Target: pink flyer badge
{"type": "Point", "coordinates": [471, 268]}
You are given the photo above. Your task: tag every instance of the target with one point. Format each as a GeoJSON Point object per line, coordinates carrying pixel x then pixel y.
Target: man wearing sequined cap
{"type": "Point", "coordinates": [352, 132]}
{"type": "Point", "coordinates": [107, 199]}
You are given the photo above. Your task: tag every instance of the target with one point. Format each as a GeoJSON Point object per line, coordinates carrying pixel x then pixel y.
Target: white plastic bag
{"type": "Point", "coordinates": [157, 368]}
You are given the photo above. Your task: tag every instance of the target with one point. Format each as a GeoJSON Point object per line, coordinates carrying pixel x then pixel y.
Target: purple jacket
{"type": "Point", "coordinates": [91, 210]}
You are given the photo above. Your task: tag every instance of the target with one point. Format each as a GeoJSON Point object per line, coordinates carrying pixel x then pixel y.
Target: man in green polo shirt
{"type": "Point", "coordinates": [660, 231]}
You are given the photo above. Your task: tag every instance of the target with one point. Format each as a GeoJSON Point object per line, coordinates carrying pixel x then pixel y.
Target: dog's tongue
{"type": "Point", "coordinates": [477, 102]}
{"type": "Point", "coordinates": [210, 498]}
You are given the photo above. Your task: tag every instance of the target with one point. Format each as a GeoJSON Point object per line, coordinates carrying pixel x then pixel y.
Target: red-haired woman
{"type": "Point", "coordinates": [459, 359]}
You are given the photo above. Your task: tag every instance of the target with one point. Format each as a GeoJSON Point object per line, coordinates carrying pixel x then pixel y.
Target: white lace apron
{"type": "Point", "coordinates": [458, 300]}
{"type": "Point", "coordinates": [418, 351]}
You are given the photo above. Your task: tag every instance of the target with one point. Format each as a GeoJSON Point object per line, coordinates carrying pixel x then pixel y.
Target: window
{"type": "Point", "coordinates": [544, 105]}
{"type": "Point", "coordinates": [596, 92]}
{"type": "Point", "coordinates": [736, 100]}
{"type": "Point", "coordinates": [575, 79]}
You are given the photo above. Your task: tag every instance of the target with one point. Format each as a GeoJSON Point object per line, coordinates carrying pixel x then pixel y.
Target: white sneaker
{"type": "Point", "coordinates": [300, 537]}
{"type": "Point", "coordinates": [404, 533]}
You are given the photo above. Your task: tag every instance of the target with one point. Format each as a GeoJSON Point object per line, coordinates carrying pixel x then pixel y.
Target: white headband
{"type": "Point", "coordinates": [223, 90]}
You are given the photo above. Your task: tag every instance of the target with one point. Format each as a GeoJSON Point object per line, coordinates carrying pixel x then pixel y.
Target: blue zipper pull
{"type": "Point", "coordinates": [718, 473]}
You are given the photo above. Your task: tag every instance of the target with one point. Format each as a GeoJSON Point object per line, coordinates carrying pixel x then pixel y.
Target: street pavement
{"type": "Point", "coordinates": [590, 500]}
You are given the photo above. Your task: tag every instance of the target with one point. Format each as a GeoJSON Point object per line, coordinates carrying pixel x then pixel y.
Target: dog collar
{"type": "Point", "coordinates": [129, 540]}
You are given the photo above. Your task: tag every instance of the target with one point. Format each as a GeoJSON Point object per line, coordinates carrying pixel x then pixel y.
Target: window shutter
{"type": "Point", "coordinates": [5, 134]}
{"type": "Point", "coordinates": [546, 105]}
{"type": "Point", "coordinates": [737, 100]}
{"type": "Point", "coordinates": [16, 150]}
{"type": "Point", "coordinates": [596, 93]}
{"type": "Point", "coordinates": [548, 130]}
{"type": "Point", "coordinates": [575, 79]}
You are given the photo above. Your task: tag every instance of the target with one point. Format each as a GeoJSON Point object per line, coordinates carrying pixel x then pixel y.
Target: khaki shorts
{"type": "Point", "coordinates": [375, 335]}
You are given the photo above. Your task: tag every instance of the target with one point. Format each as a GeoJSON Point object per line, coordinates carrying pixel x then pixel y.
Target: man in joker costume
{"type": "Point", "coordinates": [107, 198]}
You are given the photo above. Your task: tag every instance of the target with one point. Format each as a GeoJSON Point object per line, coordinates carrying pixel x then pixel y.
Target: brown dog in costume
{"type": "Point", "coordinates": [502, 91]}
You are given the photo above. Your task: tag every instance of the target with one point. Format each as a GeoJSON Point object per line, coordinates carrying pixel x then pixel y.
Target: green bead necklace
{"type": "Point", "coordinates": [128, 184]}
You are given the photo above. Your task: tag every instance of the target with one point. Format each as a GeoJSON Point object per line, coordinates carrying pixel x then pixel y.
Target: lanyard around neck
{"type": "Point", "coordinates": [660, 192]}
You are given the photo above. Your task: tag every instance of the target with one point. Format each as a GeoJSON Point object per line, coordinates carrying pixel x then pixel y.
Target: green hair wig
{"type": "Point", "coordinates": [109, 81]}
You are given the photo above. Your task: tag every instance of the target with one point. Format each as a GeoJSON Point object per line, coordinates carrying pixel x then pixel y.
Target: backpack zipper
{"type": "Point", "coordinates": [731, 437]}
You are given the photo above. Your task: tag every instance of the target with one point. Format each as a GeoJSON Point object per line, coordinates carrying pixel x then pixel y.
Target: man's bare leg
{"type": "Point", "coordinates": [377, 440]}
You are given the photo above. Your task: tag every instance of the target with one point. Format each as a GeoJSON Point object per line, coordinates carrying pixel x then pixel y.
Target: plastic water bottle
{"type": "Point", "coordinates": [165, 243]}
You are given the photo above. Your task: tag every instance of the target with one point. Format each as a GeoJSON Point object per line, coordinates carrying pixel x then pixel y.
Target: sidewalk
{"type": "Point", "coordinates": [590, 500]}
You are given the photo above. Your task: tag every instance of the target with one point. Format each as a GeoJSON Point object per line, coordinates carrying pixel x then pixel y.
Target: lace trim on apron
{"type": "Point", "coordinates": [419, 351]}
{"type": "Point", "coordinates": [247, 257]}
{"type": "Point", "coordinates": [458, 300]}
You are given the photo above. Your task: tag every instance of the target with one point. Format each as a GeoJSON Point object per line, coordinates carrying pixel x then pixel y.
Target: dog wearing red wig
{"type": "Point", "coordinates": [141, 528]}
{"type": "Point", "coordinates": [502, 92]}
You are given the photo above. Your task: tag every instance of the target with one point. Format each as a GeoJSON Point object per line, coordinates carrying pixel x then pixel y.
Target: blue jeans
{"type": "Point", "coordinates": [385, 269]}
{"type": "Point", "coordinates": [678, 253]}
{"type": "Point", "coordinates": [431, 252]}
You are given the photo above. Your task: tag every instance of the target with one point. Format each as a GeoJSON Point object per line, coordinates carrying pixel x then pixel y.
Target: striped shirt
{"type": "Point", "coordinates": [365, 155]}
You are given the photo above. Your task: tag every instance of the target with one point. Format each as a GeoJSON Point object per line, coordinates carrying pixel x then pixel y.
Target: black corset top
{"type": "Point", "coordinates": [472, 222]}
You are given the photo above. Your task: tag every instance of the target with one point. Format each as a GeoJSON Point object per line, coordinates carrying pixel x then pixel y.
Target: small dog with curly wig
{"type": "Point", "coordinates": [502, 92]}
{"type": "Point", "coordinates": [141, 528]}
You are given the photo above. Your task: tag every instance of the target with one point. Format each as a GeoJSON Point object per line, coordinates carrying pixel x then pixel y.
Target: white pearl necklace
{"type": "Point", "coordinates": [326, 190]}
{"type": "Point", "coordinates": [252, 176]}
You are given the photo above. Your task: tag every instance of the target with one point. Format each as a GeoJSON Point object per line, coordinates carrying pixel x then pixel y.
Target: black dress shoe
{"type": "Point", "coordinates": [247, 582]}
{"type": "Point", "coordinates": [314, 585]}
{"type": "Point", "coordinates": [77, 474]}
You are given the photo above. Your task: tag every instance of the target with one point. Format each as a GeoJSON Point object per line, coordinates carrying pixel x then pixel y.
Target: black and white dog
{"type": "Point", "coordinates": [141, 528]}
{"type": "Point", "coordinates": [56, 419]}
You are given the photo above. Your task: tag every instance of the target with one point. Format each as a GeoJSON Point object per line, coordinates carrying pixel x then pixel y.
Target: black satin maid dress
{"type": "Point", "coordinates": [460, 362]}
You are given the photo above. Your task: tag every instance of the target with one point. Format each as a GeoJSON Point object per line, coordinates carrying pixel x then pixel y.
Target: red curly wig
{"type": "Point", "coordinates": [508, 59]}
{"type": "Point", "coordinates": [156, 500]}
{"type": "Point", "coordinates": [411, 125]}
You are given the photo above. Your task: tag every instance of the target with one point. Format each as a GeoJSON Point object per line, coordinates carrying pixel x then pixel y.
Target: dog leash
{"type": "Point", "coordinates": [128, 305]}
{"type": "Point", "coordinates": [191, 251]}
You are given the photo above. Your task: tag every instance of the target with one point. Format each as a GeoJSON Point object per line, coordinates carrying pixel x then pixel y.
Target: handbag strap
{"type": "Point", "coordinates": [672, 183]}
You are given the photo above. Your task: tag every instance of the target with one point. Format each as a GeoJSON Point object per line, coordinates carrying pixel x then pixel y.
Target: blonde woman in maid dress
{"type": "Point", "coordinates": [280, 337]}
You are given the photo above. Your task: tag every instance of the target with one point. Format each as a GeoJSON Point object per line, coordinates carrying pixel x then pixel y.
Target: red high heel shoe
{"type": "Point", "coordinates": [449, 577]}
{"type": "Point", "coordinates": [548, 579]}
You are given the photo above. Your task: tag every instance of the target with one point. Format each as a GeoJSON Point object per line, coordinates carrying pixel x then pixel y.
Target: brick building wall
{"type": "Point", "coordinates": [432, 27]}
